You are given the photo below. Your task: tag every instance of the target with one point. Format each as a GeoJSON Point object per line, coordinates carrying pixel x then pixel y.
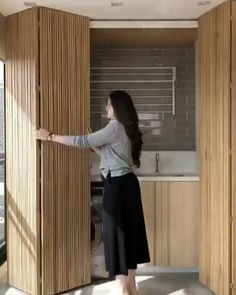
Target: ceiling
{"type": "Point", "coordinates": [121, 9]}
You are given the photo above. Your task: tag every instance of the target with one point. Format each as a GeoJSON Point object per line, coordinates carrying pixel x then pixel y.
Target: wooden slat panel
{"type": "Point", "coordinates": [206, 73]}
{"type": "Point", "coordinates": [21, 174]}
{"type": "Point", "coordinates": [64, 83]}
{"type": "Point", "coordinates": [149, 209]}
{"type": "Point", "coordinates": [214, 109]}
{"type": "Point", "coordinates": [222, 148]}
{"type": "Point", "coordinates": [162, 237]}
{"type": "Point", "coordinates": [233, 143]}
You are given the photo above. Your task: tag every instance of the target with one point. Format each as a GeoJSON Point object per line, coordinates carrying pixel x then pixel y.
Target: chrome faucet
{"type": "Point", "coordinates": [157, 162]}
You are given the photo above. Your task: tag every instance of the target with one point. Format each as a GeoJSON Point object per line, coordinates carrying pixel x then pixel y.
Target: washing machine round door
{"type": "Point", "coordinates": [96, 229]}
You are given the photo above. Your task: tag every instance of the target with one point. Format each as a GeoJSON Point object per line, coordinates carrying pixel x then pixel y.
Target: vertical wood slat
{"type": "Point", "coordinates": [162, 233]}
{"type": "Point", "coordinates": [21, 161]}
{"type": "Point", "coordinates": [149, 208]}
{"type": "Point", "coordinates": [159, 242]}
{"type": "Point", "coordinates": [165, 215]}
{"type": "Point", "coordinates": [233, 142]}
{"type": "Point", "coordinates": [214, 80]}
{"type": "Point", "coordinates": [223, 95]}
{"type": "Point", "coordinates": [202, 136]}
{"type": "Point", "coordinates": [64, 83]}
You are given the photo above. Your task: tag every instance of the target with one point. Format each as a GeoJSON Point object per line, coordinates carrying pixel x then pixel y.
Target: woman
{"type": "Point", "coordinates": [119, 146]}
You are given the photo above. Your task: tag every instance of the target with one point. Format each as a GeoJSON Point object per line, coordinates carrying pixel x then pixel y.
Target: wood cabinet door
{"type": "Point", "coordinates": [184, 224]}
{"type": "Point", "coordinates": [148, 202]}
{"type": "Point", "coordinates": [177, 224]}
{"type": "Point", "coordinates": [215, 144]}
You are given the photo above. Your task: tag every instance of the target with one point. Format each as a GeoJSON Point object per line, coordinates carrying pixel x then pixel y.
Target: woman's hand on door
{"type": "Point", "coordinates": [42, 134]}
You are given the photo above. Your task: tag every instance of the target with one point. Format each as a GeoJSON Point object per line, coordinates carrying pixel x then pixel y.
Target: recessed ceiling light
{"type": "Point", "coordinates": [30, 4]}
{"type": "Point", "coordinates": [204, 3]}
{"type": "Point", "coordinates": [117, 4]}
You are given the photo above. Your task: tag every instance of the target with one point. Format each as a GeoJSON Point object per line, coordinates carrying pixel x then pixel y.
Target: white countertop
{"type": "Point", "coordinates": [168, 177]}
{"type": "Point", "coordinates": [162, 177]}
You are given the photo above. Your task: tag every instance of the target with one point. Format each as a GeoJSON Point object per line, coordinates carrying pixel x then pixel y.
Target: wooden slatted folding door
{"type": "Point", "coordinates": [22, 179]}
{"type": "Point", "coordinates": [233, 145]}
{"type": "Point", "coordinates": [48, 198]}
{"type": "Point", "coordinates": [215, 140]}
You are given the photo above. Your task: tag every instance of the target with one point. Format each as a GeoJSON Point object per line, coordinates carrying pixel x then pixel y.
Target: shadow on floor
{"type": "Point", "coordinates": [171, 284]}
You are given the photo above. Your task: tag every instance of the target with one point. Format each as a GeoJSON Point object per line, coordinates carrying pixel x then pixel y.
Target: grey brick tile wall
{"type": "Point", "coordinates": [162, 131]}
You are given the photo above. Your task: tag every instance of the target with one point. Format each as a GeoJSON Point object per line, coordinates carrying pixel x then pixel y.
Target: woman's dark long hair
{"type": "Point", "coordinates": [126, 114]}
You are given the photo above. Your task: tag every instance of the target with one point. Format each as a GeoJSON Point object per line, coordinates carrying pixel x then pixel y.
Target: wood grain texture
{"type": "Point", "coordinates": [23, 239]}
{"type": "Point", "coordinates": [214, 137]}
{"type": "Point", "coordinates": [148, 202]}
{"type": "Point", "coordinates": [48, 195]}
{"type": "Point", "coordinates": [177, 224]}
{"type": "Point", "coordinates": [233, 143]}
{"type": "Point", "coordinates": [162, 240]}
{"type": "Point", "coordinates": [184, 224]}
{"type": "Point", "coordinates": [64, 100]}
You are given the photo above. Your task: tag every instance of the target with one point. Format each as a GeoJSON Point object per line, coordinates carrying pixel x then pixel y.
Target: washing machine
{"type": "Point", "coordinates": [97, 245]}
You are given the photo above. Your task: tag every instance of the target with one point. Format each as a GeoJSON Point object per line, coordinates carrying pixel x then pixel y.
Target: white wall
{"type": "Point", "coordinates": [170, 162]}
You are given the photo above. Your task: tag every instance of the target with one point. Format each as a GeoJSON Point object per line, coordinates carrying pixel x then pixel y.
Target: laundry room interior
{"type": "Point", "coordinates": [157, 67]}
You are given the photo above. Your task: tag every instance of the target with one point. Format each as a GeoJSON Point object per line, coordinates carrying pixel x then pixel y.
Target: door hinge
{"type": "Point", "coordinates": [231, 218]}
{"type": "Point", "coordinates": [231, 285]}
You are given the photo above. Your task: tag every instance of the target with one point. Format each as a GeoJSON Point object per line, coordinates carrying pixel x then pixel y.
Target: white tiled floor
{"type": "Point", "coordinates": [154, 284]}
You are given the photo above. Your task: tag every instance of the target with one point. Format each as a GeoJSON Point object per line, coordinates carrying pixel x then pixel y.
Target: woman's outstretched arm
{"type": "Point", "coordinates": [96, 139]}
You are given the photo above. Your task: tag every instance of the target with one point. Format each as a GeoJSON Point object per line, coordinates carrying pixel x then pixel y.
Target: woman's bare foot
{"type": "Point", "coordinates": [133, 290]}
{"type": "Point", "coordinates": [131, 282]}
{"type": "Point", "coordinates": [121, 287]}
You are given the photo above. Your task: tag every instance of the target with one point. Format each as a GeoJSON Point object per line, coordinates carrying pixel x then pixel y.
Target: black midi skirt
{"type": "Point", "coordinates": [125, 240]}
